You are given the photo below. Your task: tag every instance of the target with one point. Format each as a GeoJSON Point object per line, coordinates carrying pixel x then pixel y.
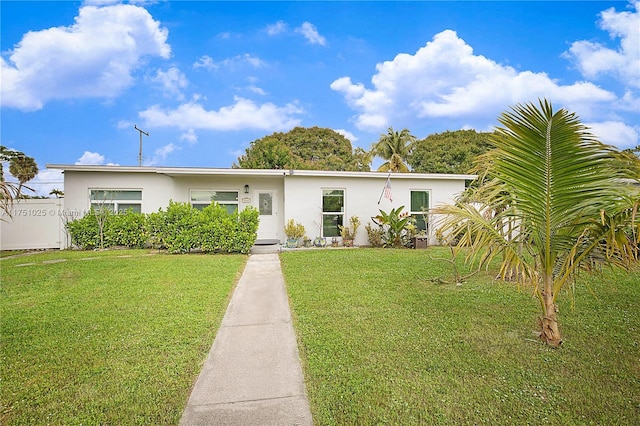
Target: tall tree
{"type": "Point", "coordinates": [448, 152]}
{"type": "Point", "coordinates": [574, 205]}
{"type": "Point", "coordinates": [303, 148]}
{"type": "Point", "coordinates": [395, 148]}
{"type": "Point", "coordinates": [24, 168]}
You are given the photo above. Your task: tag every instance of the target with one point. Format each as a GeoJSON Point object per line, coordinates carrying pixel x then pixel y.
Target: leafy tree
{"type": "Point", "coordinates": [24, 168]}
{"type": "Point", "coordinates": [395, 148]}
{"type": "Point", "coordinates": [303, 148]}
{"type": "Point", "coordinates": [448, 152]}
{"type": "Point", "coordinates": [574, 206]}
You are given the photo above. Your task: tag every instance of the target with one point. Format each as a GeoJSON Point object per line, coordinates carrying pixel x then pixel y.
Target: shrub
{"type": "Point", "coordinates": [126, 229]}
{"type": "Point", "coordinates": [85, 232]}
{"type": "Point", "coordinates": [179, 229]}
{"type": "Point", "coordinates": [375, 235]}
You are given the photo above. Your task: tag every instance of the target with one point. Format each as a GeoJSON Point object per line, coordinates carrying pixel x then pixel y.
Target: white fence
{"type": "Point", "coordinates": [34, 224]}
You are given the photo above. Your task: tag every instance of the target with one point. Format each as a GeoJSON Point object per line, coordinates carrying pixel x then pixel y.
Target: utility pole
{"type": "Point", "coordinates": [141, 133]}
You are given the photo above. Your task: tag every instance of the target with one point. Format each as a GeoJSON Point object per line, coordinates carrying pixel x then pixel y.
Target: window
{"type": "Point", "coordinates": [419, 208]}
{"type": "Point", "coordinates": [332, 212]}
{"type": "Point", "coordinates": [116, 200]}
{"type": "Point", "coordinates": [227, 199]}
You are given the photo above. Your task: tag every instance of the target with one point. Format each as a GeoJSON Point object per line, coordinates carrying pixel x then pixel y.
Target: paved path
{"type": "Point", "coordinates": [252, 375]}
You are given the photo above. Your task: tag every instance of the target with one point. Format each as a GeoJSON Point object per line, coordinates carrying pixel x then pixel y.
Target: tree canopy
{"type": "Point", "coordinates": [314, 148]}
{"type": "Point", "coordinates": [448, 152]}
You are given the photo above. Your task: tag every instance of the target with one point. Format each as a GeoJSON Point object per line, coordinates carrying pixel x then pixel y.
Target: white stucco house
{"type": "Point", "coordinates": [319, 200]}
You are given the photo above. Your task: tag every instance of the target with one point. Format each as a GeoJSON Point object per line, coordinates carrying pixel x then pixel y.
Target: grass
{"type": "Point", "coordinates": [114, 337]}
{"type": "Point", "coordinates": [381, 344]}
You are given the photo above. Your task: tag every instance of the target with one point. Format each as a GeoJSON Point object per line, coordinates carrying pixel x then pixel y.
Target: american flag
{"type": "Point", "coordinates": [387, 190]}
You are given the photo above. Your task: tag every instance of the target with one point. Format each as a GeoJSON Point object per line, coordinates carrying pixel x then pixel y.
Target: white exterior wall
{"type": "Point", "coordinates": [303, 198]}
{"type": "Point", "coordinates": [33, 224]}
{"type": "Point", "coordinates": [156, 189]}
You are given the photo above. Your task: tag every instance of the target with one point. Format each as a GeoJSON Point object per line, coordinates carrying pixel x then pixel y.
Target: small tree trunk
{"type": "Point", "coordinates": [550, 333]}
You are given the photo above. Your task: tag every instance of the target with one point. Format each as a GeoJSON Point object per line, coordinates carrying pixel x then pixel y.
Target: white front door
{"type": "Point", "coordinates": [268, 208]}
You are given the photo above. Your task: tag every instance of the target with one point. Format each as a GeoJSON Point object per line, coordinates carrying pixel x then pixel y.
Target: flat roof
{"type": "Point", "coordinates": [205, 171]}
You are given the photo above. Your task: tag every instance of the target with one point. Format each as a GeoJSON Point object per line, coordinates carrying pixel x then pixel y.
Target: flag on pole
{"type": "Point", "coordinates": [387, 189]}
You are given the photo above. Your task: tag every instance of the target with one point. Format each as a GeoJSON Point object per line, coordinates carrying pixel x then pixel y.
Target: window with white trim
{"type": "Point", "coordinates": [116, 200]}
{"type": "Point", "coordinates": [202, 198]}
{"type": "Point", "coordinates": [332, 212]}
{"type": "Point", "coordinates": [420, 209]}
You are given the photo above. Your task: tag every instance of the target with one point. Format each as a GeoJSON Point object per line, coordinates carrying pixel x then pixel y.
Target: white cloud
{"type": "Point", "coordinates": [161, 154]}
{"type": "Point", "coordinates": [46, 181]}
{"type": "Point", "coordinates": [94, 57]}
{"type": "Point", "coordinates": [594, 59]}
{"type": "Point", "coordinates": [615, 133]}
{"type": "Point", "coordinates": [347, 134]}
{"type": "Point", "coordinates": [277, 28]}
{"type": "Point", "coordinates": [309, 31]}
{"type": "Point", "coordinates": [445, 79]}
{"type": "Point", "coordinates": [189, 136]}
{"type": "Point", "coordinates": [172, 82]}
{"type": "Point", "coordinates": [208, 63]}
{"type": "Point", "coordinates": [243, 114]}
{"type": "Point", "coordinates": [92, 158]}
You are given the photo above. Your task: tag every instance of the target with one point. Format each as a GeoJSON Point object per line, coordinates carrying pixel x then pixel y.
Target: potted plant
{"type": "Point", "coordinates": [307, 241]}
{"type": "Point", "coordinates": [320, 241]}
{"type": "Point", "coordinates": [294, 231]}
{"type": "Point", "coordinates": [349, 234]}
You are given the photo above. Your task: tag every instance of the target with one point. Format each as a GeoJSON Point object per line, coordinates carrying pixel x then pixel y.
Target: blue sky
{"type": "Point", "coordinates": [206, 78]}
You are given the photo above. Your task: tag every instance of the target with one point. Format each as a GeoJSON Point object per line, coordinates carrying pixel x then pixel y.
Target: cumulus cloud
{"type": "Point", "coordinates": [615, 133]}
{"type": "Point", "coordinates": [172, 82]}
{"type": "Point", "coordinates": [445, 79]}
{"type": "Point", "coordinates": [309, 31]}
{"type": "Point", "coordinates": [89, 157]}
{"type": "Point", "coordinates": [243, 114]}
{"type": "Point", "coordinates": [94, 57]}
{"type": "Point", "coordinates": [208, 63]}
{"type": "Point", "coordinates": [594, 59]}
{"type": "Point", "coordinates": [347, 134]}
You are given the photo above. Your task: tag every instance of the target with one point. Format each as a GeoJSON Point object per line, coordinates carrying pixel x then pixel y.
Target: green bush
{"type": "Point", "coordinates": [126, 229]}
{"type": "Point", "coordinates": [85, 232]}
{"type": "Point", "coordinates": [179, 229]}
{"type": "Point", "coordinates": [180, 233]}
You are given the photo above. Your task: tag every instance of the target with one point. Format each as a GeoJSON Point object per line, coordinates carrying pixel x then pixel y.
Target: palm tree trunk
{"type": "Point", "coordinates": [550, 332]}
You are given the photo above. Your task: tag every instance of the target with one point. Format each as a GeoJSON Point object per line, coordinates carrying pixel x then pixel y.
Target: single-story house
{"type": "Point", "coordinates": [319, 200]}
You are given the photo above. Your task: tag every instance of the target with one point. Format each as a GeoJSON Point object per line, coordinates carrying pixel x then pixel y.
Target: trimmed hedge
{"type": "Point", "coordinates": [179, 229]}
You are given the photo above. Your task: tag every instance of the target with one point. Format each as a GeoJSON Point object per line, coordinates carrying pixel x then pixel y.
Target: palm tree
{"type": "Point", "coordinates": [58, 193]}
{"type": "Point", "coordinates": [574, 207]}
{"type": "Point", "coordinates": [9, 191]}
{"type": "Point", "coordinates": [23, 168]}
{"type": "Point", "coordinates": [395, 148]}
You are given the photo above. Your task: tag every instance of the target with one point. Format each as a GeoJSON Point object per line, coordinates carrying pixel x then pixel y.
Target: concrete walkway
{"type": "Point", "coordinates": [252, 375]}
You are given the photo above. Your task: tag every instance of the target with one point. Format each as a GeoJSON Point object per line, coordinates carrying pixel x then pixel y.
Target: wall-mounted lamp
{"type": "Point", "coordinates": [246, 189]}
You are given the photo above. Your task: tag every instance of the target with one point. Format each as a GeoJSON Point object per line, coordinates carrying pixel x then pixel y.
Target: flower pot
{"type": "Point", "coordinates": [320, 242]}
{"type": "Point", "coordinates": [347, 242]}
{"type": "Point", "coordinates": [291, 243]}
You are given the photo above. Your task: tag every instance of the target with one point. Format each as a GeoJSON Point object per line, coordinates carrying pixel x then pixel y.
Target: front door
{"type": "Point", "coordinates": [268, 208]}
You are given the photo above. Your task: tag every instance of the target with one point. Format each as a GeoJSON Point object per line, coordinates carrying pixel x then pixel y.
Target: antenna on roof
{"type": "Point", "coordinates": [135, 126]}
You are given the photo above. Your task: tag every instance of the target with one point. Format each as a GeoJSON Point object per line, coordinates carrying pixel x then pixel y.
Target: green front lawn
{"type": "Point", "coordinates": [382, 344]}
{"type": "Point", "coordinates": [114, 337]}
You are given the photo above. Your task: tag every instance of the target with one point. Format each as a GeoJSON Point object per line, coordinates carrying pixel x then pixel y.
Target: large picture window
{"type": "Point", "coordinates": [420, 208]}
{"type": "Point", "coordinates": [332, 212]}
{"type": "Point", "coordinates": [227, 199]}
{"type": "Point", "coordinates": [117, 200]}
